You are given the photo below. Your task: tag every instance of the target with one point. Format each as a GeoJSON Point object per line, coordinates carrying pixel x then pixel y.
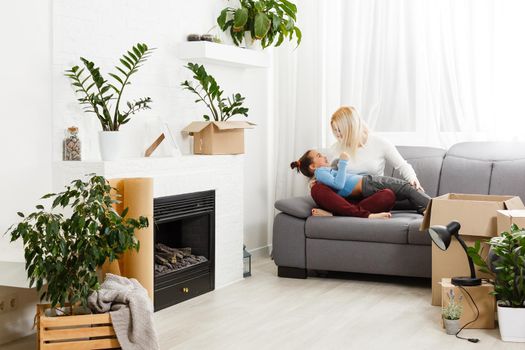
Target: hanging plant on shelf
{"type": "Point", "coordinates": [210, 93]}
{"type": "Point", "coordinates": [266, 20]}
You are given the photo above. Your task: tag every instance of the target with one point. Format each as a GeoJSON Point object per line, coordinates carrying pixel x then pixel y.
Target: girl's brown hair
{"type": "Point", "coordinates": [303, 164]}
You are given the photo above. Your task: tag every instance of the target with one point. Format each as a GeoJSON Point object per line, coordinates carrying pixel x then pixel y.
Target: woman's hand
{"type": "Point", "coordinates": [344, 156]}
{"type": "Point", "coordinates": [415, 183]}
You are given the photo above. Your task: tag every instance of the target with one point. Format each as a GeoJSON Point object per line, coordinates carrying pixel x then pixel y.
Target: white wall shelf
{"type": "Point", "coordinates": [208, 52]}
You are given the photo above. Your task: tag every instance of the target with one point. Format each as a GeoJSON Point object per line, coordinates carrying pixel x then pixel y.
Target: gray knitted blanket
{"type": "Point", "coordinates": [131, 312]}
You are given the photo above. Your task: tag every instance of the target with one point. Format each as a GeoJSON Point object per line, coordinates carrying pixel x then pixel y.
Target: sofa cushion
{"type": "Point", "coordinates": [508, 178]}
{"type": "Point", "coordinates": [394, 230]}
{"type": "Point", "coordinates": [300, 207]}
{"type": "Point", "coordinates": [414, 219]}
{"type": "Point", "coordinates": [465, 175]}
{"type": "Point", "coordinates": [427, 162]}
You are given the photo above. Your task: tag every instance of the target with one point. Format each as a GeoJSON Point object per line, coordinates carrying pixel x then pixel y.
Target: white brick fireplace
{"type": "Point", "coordinates": [185, 174]}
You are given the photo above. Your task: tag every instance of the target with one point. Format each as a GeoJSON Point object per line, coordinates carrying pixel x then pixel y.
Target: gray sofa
{"type": "Point", "coordinates": [396, 246]}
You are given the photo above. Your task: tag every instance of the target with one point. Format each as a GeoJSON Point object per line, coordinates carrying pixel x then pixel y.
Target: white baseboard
{"type": "Point", "coordinates": [261, 252]}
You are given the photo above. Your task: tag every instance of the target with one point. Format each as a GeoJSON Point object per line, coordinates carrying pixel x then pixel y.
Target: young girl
{"type": "Point", "coordinates": [313, 163]}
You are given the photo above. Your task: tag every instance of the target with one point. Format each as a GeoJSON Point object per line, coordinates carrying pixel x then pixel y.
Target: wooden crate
{"type": "Point", "coordinates": [74, 332]}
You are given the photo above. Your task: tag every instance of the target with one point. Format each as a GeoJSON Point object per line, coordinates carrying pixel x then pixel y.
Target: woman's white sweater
{"type": "Point", "coordinates": [372, 157]}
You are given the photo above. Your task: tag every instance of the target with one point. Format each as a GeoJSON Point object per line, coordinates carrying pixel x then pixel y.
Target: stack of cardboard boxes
{"type": "Point", "coordinates": [481, 217]}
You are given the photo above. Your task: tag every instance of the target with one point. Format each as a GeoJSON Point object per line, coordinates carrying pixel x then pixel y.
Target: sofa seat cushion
{"type": "Point", "coordinates": [300, 207]}
{"type": "Point", "coordinates": [415, 236]}
{"type": "Point", "coordinates": [394, 230]}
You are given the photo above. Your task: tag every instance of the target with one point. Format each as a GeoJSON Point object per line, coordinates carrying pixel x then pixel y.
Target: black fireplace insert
{"type": "Point", "coordinates": [184, 230]}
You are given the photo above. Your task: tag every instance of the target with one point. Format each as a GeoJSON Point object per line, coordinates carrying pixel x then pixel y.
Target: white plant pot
{"type": "Point", "coordinates": [111, 145]}
{"type": "Point", "coordinates": [251, 43]}
{"type": "Point", "coordinates": [512, 324]}
{"type": "Point", "coordinates": [451, 326]}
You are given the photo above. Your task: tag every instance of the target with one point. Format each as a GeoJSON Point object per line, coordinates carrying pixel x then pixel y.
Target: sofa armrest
{"type": "Point", "coordinates": [300, 207]}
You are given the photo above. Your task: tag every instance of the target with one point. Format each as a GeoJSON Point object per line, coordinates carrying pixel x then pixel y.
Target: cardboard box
{"type": "Point", "coordinates": [475, 212]}
{"type": "Point", "coordinates": [508, 217]}
{"type": "Point", "coordinates": [218, 137]}
{"type": "Point", "coordinates": [477, 216]}
{"type": "Point", "coordinates": [485, 302]}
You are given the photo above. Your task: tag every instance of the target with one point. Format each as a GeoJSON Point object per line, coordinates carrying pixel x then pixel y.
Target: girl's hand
{"type": "Point", "coordinates": [415, 183]}
{"type": "Point", "coordinates": [344, 156]}
{"type": "Point", "coordinates": [380, 216]}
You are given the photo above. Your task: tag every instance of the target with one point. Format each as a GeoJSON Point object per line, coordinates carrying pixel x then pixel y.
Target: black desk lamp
{"type": "Point", "coordinates": [441, 235]}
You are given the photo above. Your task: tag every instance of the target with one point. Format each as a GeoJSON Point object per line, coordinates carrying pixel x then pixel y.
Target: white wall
{"type": "Point", "coordinates": [102, 31]}
{"type": "Point", "coordinates": [45, 38]}
{"type": "Point", "coordinates": [25, 134]}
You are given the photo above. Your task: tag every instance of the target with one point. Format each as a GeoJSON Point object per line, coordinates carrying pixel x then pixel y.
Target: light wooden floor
{"type": "Point", "coordinates": [267, 312]}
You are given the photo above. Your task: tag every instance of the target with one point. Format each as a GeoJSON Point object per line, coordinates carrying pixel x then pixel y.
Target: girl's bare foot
{"type": "Point", "coordinates": [380, 216]}
{"type": "Point", "coordinates": [321, 212]}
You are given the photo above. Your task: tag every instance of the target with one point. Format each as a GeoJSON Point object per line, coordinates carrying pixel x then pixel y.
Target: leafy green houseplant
{"type": "Point", "coordinates": [266, 20]}
{"type": "Point", "coordinates": [210, 93]}
{"type": "Point", "coordinates": [104, 98]}
{"type": "Point", "coordinates": [507, 265]}
{"type": "Point", "coordinates": [63, 252]}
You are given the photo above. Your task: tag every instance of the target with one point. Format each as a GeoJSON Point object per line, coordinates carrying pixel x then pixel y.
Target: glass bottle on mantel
{"type": "Point", "coordinates": [71, 145]}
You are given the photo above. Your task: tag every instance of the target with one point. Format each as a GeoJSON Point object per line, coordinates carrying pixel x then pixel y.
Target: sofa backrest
{"type": "Point", "coordinates": [426, 161]}
{"type": "Point", "coordinates": [468, 167]}
{"type": "Point", "coordinates": [484, 168]}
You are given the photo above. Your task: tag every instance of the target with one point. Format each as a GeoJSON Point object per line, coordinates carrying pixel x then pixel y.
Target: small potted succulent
{"type": "Point", "coordinates": [452, 312]}
{"type": "Point", "coordinates": [506, 263]}
{"type": "Point", "coordinates": [267, 21]}
{"type": "Point", "coordinates": [104, 98]}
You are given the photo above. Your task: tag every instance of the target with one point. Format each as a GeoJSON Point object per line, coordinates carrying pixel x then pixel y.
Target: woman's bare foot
{"type": "Point", "coordinates": [321, 212]}
{"type": "Point", "coordinates": [380, 216]}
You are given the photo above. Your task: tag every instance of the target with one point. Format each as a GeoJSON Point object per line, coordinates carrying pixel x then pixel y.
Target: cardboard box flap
{"type": "Point", "coordinates": [514, 213]}
{"type": "Point", "coordinates": [194, 127]}
{"type": "Point", "coordinates": [234, 125]}
{"type": "Point", "coordinates": [425, 224]}
{"type": "Point", "coordinates": [514, 203]}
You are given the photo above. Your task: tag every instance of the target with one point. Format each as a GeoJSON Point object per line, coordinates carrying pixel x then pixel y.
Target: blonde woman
{"type": "Point", "coordinates": [368, 155]}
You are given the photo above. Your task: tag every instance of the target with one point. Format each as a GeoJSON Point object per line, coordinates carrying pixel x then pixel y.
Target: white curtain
{"type": "Point", "coordinates": [422, 72]}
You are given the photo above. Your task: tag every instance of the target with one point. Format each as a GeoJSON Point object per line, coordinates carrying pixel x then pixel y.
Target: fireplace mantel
{"type": "Point", "coordinates": [184, 174]}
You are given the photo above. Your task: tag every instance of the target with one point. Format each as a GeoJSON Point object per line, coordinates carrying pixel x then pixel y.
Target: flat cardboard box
{"type": "Point", "coordinates": [508, 217]}
{"type": "Point", "coordinates": [477, 216]}
{"type": "Point", "coordinates": [485, 302]}
{"type": "Point", "coordinates": [218, 137]}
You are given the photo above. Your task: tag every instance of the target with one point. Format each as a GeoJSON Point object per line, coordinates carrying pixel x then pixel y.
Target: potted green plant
{"type": "Point", "coordinates": [217, 134]}
{"type": "Point", "coordinates": [104, 98]}
{"type": "Point", "coordinates": [64, 251]}
{"type": "Point", "coordinates": [507, 266]}
{"type": "Point", "coordinates": [266, 20]}
{"type": "Point", "coordinates": [452, 312]}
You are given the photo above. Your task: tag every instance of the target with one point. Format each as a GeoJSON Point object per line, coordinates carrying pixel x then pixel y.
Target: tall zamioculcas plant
{"type": "Point", "coordinates": [210, 93]}
{"type": "Point", "coordinates": [104, 98]}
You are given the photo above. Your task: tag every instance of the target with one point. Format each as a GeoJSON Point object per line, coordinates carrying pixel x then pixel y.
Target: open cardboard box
{"type": "Point", "coordinates": [218, 137]}
{"type": "Point", "coordinates": [477, 216]}
{"type": "Point", "coordinates": [508, 217]}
